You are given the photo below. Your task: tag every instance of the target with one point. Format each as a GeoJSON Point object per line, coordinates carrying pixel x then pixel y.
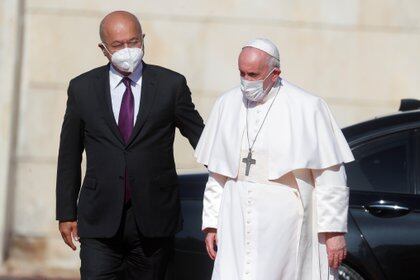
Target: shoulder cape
{"type": "Point", "coordinates": [303, 134]}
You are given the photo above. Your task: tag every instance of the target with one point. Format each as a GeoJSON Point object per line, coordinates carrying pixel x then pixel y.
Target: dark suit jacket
{"type": "Point", "coordinates": [89, 125]}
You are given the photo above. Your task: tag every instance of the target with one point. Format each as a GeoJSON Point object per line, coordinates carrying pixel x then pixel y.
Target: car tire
{"type": "Point", "coordinates": [347, 273]}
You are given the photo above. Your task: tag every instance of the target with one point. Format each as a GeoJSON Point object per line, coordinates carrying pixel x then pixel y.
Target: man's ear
{"type": "Point", "coordinates": [101, 46]}
{"type": "Point", "coordinates": [277, 73]}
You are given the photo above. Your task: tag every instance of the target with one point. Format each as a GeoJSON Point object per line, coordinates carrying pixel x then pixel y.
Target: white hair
{"type": "Point", "coordinates": [273, 62]}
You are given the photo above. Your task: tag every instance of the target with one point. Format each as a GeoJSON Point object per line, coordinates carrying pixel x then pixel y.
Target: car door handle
{"type": "Point", "coordinates": [387, 209]}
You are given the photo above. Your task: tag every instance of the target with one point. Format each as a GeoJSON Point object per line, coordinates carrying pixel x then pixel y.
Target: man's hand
{"type": "Point", "coordinates": [211, 242]}
{"type": "Point", "coordinates": [68, 231]}
{"type": "Point", "coordinates": [336, 248]}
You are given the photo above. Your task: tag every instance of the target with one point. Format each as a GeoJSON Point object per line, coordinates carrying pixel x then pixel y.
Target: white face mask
{"type": "Point", "coordinates": [127, 59]}
{"type": "Point", "coordinates": [254, 90]}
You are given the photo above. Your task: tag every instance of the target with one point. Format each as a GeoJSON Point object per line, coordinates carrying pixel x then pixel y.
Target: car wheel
{"type": "Point", "coordinates": [347, 273]}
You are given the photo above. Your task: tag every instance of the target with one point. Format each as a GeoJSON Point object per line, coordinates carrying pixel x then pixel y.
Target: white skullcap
{"type": "Point", "coordinates": [264, 45]}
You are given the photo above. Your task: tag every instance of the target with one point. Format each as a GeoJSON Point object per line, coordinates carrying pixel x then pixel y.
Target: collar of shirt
{"type": "Point", "coordinates": [116, 77]}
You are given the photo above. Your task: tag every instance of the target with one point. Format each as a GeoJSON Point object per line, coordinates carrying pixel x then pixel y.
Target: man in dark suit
{"type": "Point", "coordinates": [124, 116]}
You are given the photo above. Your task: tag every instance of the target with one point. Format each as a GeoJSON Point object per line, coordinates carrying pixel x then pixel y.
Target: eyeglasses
{"type": "Point", "coordinates": [119, 45]}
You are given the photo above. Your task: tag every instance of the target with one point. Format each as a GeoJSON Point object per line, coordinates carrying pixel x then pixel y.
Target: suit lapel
{"type": "Point", "coordinates": [104, 96]}
{"type": "Point", "coordinates": [148, 89]}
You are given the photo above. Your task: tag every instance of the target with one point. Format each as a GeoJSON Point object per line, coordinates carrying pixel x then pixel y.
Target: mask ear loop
{"type": "Point", "coordinates": [266, 91]}
{"type": "Point", "coordinates": [103, 44]}
{"type": "Point", "coordinates": [142, 46]}
{"type": "Point", "coordinates": [269, 74]}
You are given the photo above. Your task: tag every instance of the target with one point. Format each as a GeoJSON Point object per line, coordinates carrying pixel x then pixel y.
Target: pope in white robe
{"type": "Point", "coordinates": [276, 200]}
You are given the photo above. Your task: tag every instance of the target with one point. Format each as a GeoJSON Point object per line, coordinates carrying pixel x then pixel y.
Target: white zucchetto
{"type": "Point", "coordinates": [264, 45]}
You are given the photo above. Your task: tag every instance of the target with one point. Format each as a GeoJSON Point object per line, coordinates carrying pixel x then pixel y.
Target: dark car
{"type": "Point", "coordinates": [383, 238]}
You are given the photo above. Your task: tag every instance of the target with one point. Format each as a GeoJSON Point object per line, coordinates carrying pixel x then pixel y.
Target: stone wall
{"type": "Point", "coordinates": [10, 37]}
{"type": "Point", "coordinates": [360, 55]}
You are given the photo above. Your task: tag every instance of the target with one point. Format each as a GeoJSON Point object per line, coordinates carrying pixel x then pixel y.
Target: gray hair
{"type": "Point", "coordinates": [273, 62]}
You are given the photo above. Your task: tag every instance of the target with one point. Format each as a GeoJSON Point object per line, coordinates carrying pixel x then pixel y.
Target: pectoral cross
{"type": "Point", "coordinates": [248, 161]}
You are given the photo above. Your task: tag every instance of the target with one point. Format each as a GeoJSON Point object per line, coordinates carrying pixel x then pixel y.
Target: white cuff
{"type": "Point", "coordinates": [212, 200]}
{"type": "Point", "coordinates": [332, 208]}
{"type": "Point", "coordinates": [209, 223]}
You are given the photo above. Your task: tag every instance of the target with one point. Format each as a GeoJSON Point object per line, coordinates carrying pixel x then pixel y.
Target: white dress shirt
{"type": "Point", "coordinates": [117, 89]}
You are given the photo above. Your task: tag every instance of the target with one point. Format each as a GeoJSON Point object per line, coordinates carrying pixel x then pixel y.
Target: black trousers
{"type": "Point", "coordinates": [127, 255]}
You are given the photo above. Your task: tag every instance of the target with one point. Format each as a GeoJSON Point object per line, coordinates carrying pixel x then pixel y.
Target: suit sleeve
{"type": "Point", "coordinates": [69, 160]}
{"type": "Point", "coordinates": [332, 198]}
{"type": "Point", "coordinates": [188, 120]}
{"type": "Point", "coordinates": [212, 199]}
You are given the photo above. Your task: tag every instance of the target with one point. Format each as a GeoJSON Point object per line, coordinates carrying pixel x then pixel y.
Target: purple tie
{"type": "Point", "coordinates": [126, 117]}
{"type": "Point", "coordinates": [125, 124]}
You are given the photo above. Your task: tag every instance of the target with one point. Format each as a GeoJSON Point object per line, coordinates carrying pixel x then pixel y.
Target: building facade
{"type": "Point", "coordinates": [360, 55]}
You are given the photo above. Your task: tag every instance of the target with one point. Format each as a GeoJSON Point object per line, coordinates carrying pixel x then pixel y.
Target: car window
{"type": "Point", "coordinates": [382, 165]}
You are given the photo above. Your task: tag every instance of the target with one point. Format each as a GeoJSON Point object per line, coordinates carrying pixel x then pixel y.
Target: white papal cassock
{"type": "Point", "coordinates": [270, 224]}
